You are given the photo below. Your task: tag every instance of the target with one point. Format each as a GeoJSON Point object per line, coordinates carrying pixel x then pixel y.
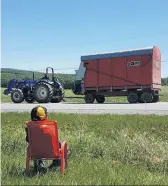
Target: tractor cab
{"type": "Point", "coordinates": [46, 77]}
{"type": "Point", "coordinates": [48, 89]}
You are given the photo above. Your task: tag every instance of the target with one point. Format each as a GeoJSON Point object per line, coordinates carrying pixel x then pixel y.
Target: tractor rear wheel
{"type": "Point", "coordinates": [89, 98]}
{"type": "Point", "coordinates": [17, 96]}
{"type": "Point", "coordinates": [43, 92]}
{"type": "Point", "coordinates": [132, 97]}
{"type": "Point", "coordinates": [100, 99]}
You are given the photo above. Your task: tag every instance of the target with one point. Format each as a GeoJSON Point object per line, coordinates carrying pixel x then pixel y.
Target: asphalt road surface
{"type": "Point", "coordinates": [160, 108]}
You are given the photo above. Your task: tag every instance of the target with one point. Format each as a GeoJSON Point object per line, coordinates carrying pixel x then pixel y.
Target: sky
{"type": "Point", "coordinates": [41, 33]}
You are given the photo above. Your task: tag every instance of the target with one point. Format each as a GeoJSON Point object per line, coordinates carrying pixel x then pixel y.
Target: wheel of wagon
{"type": "Point", "coordinates": [132, 97]}
{"type": "Point", "coordinates": [139, 100]}
{"type": "Point", "coordinates": [100, 99]}
{"type": "Point", "coordinates": [17, 96]}
{"type": "Point", "coordinates": [89, 98]}
{"type": "Point", "coordinates": [156, 98]}
{"type": "Point", "coordinates": [146, 97]}
{"type": "Point", "coordinates": [43, 92]}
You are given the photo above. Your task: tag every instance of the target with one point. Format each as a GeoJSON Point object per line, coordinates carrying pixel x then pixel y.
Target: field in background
{"type": "Point", "coordinates": [106, 150]}
{"type": "Point", "coordinates": [164, 98]}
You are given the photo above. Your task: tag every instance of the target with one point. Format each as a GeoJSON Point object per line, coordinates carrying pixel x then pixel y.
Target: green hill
{"type": "Point", "coordinates": [7, 74]}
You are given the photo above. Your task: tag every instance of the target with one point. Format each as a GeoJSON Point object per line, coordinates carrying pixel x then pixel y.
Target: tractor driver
{"type": "Point", "coordinates": [37, 114]}
{"type": "Point", "coordinates": [45, 77]}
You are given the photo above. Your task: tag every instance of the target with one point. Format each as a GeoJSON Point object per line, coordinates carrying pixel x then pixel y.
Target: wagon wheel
{"type": "Point", "coordinates": [146, 97]}
{"type": "Point", "coordinates": [100, 99]}
{"type": "Point", "coordinates": [132, 97]}
{"type": "Point", "coordinates": [89, 98]}
{"type": "Point", "coordinates": [156, 98]}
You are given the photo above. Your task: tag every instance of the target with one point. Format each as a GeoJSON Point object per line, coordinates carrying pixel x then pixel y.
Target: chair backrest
{"type": "Point", "coordinates": [43, 139]}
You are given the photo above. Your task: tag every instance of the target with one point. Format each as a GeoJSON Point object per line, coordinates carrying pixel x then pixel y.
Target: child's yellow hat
{"type": "Point", "coordinates": [41, 112]}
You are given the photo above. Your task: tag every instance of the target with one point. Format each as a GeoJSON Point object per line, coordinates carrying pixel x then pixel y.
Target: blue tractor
{"type": "Point", "coordinates": [46, 90]}
{"type": "Point", "coordinates": [21, 90]}
{"type": "Point", "coordinates": [42, 90]}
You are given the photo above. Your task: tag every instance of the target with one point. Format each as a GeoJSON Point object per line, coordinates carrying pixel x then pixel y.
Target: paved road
{"type": "Point", "coordinates": [160, 108]}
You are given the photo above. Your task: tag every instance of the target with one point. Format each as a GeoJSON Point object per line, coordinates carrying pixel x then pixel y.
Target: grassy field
{"type": "Point", "coordinates": [164, 98]}
{"type": "Point", "coordinates": [106, 150]}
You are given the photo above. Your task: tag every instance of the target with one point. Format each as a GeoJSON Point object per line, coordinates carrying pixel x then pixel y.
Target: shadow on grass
{"type": "Point", "coordinates": [30, 173]}
{"type": "Point", "coordinates": [21, 172]}
{"type": "Point", "coordinates": [161, 168]}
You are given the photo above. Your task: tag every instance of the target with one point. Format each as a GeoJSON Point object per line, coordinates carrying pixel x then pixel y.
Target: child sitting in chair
{"type": "Point", "coordinates": [39, 113]}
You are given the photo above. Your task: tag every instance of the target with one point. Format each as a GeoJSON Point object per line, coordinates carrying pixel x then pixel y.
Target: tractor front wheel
{"type": "Point", "coordinates": [17, 96]}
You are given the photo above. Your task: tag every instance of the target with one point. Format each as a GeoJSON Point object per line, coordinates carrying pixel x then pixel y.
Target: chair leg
{"type": "Point", "coordinates": [63, 155]}
{"type": "Point", "coordinates": [66, 156]}
{"type": "Point", "coordinates": [62, 162]}
{"type": "Point", "coordinates": [27, 159]}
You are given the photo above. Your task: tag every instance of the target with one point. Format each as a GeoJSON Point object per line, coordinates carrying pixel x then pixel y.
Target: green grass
{"type": "Point", "coordinates": [164, 98]}
{"type": "Point", "coordinates": [106, 150]}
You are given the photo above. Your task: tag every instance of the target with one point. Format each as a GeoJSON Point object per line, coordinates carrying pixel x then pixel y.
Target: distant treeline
{"type": "Point", "coordinates": [66, 79]}
{"type": "Point", "coordinates": [165, 81]}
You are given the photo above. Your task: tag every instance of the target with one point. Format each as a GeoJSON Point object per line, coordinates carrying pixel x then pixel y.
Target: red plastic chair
{"type": "Point", "coordinates": [44, 143]}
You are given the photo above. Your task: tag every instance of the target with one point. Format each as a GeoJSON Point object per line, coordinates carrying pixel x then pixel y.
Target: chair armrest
{"type": "Point", "coordinates": [64, 148]}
